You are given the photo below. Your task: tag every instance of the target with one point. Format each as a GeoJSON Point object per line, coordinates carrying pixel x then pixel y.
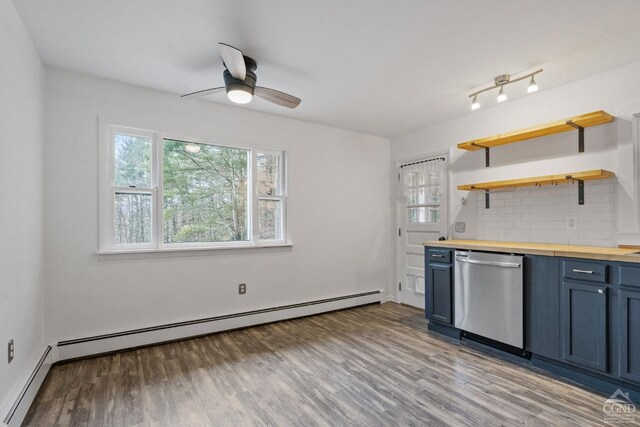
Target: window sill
{"type": "Point", "coordinates": [238, 248]}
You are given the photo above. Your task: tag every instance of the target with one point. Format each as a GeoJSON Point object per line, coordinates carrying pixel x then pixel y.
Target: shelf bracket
{"type": "Point", "coordinates": [487, 155]}
{"type": "Point", "coordinates": [580, 135]}
{"type": "Point", "coordinates": [580, 192]}
{"type": "Point", "coordinates": [486, 199]}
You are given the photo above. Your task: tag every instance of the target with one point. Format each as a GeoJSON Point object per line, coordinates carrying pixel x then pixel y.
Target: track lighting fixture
{"type": "Point", "coordinates": [502, 81]}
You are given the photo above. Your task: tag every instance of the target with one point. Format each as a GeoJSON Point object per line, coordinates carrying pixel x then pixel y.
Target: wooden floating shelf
{"type": "Point", "coordinates": [539, 180]}
{"type": "Point", "coordinates": [579, 177]}
{"type": "Point", "coordinates": [572, 123]}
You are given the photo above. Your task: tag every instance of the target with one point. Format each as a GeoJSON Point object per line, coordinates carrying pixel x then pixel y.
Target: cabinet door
{"type": "Point", "coordinates": [629, 312]}
{"type": "Point", "coordinates": [542, 306]}
{"type": "Point", "coordinates": [441, 293]}
{"type": "Point", "coordinates": [584, 325]}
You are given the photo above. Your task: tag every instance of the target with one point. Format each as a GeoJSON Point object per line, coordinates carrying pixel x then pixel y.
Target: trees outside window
{"type": "Point", "coordinates": [170, 192]}
{"type": "Point", "coordinates": [205, 193]}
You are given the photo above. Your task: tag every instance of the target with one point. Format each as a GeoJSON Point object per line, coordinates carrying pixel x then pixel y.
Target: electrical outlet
{"type": "Point", "coordinates": [10, 351]}
{"type": "Point", "coordinates": [461, 227]}
{"type": "Point", "coordinates": [242, 288]}
{"type": "Point", "coordinates": [572, 223]}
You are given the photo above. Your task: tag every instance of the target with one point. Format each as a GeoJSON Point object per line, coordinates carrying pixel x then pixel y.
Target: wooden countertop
{"type": "Point", "coordinates": [589, 252]}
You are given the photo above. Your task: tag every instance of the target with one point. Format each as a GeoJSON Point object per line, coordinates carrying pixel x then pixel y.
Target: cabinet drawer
{"type": "Point", "coordinates": [439, 255]}
{"type": "Point", "coordinates": [586, 271]}
{"type": "Point", "coordinates": [629, 276]}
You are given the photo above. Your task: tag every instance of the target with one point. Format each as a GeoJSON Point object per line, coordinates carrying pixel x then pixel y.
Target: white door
{"type": "Point", "coordinates": [422, 216]}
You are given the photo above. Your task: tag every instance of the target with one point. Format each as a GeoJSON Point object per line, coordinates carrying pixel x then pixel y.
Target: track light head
{"type": "Point", "coordinates": [501, 95]}
{"type": "Point", "coordinates": [533, 86]}
{"type": "Point", "coordinates": [475, 104]}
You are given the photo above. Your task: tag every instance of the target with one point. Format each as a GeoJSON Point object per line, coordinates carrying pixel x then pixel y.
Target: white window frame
{"type": "Point", "coordinates": [107, 190]}
{"type": "Point", "coordinates": [280, 197]}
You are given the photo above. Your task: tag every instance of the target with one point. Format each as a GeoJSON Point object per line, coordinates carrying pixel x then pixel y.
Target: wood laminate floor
{"type": "Point", "coordinates": [371, 366]}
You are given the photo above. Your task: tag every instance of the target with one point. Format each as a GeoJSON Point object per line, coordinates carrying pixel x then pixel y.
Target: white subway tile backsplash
{"type": "Point", "coordinates": [579, 242]}
{"type": "Point", "coordinates": [505, 209]}
{"type": "Point", "coordinates": [539, 215]}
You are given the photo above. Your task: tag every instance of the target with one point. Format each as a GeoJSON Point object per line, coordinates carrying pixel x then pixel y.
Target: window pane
{"type": "Point", "coordinates": [132, 156]}
{"type": "Point", "coordinates": [428, 215]}
{"type": "Point", "coordinates": [433, 194]}
{"type": "Point", "coordinates": [205, 193]}
{"type": "Point", "coordinates": [269, 173]}
{"type": "Point", "coordinates": [417, 196]}
{"type": "Point", "coordinates": [132, 218]}
{"type": "Point", "coordinates": [270, 219]}
{"type": "Point", "coordinates": [423, 195]}
{"type": "Point", "coordinates": [415, 178]}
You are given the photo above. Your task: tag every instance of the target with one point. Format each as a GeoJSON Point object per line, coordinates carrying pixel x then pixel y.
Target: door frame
{"type": "Point", "coordinates": [398, 199]}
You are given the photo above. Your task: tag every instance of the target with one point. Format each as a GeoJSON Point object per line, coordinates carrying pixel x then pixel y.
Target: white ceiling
{"type": "Point", "coordinates": [382, 67]}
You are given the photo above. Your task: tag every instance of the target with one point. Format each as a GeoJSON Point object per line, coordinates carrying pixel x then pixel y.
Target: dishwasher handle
{"type": "Point", "coordinates": [491, 263]}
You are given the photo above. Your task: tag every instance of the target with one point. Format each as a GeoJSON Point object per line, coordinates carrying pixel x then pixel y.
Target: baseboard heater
{"type": "Point", "coordinates": [98, 344]}
{"type": "Point", "coordinates": [28, 389]}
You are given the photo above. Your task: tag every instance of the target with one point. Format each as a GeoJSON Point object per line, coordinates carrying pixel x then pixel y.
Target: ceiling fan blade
{"type": "Point", "coordinates": [234, 61]}
{"type": "Point", "coordinates": [277, 97]}
{"type": "Point", "coordinates": [203, 92]}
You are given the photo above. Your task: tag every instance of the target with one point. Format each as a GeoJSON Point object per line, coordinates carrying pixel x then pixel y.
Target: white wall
{"type": "Point", "coordinates": [608, 146]}
{"type": "Point", "coordinates": [339, 215]}
{"type": "Point", "coordinates": [21, 224]}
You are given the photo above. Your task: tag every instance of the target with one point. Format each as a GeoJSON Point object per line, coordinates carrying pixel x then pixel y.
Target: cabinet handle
{"type": "Point", "coordinates": [601, 291]}
{"type": "Point", "coordinates": [437, 256]}
{"type": "Point", "coordinates": [575, 270]}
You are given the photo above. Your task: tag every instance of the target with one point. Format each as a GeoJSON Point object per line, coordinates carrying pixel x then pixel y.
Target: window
{"type": "Point", "coordinates": [173, 192]}
{"type": "Point", "coordinates": [270, 195]}
{"type": "Point", "coordinates": [205, 193]}
{"type": "Point", "coordinates": [133, 189]}
{"type": "Point", "coordinates": [423, 189]}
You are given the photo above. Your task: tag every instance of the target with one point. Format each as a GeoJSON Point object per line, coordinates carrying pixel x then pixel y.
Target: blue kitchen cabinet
{"type": "Point", "coordinates": [584, 320]}
{"type": "Point", "coordinates": [440, 289]}
{"type": "Point", "coordinates": [629, 322]}
{"type": "Point", "coordinates": [542, 305]}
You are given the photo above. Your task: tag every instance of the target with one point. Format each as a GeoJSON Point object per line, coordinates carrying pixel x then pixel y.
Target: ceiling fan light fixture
{"type": "Point", "coordinates": [240, 81]}
{"type": "Point", "coordinates": [239, 96]}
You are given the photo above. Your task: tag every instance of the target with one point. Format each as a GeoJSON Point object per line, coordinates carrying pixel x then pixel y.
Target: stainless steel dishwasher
{"type": "Point", "coordinates": [488, 296]}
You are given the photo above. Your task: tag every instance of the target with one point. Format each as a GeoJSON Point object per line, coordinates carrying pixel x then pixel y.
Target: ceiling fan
{"type": "Point", "coordinates": [240, 81]}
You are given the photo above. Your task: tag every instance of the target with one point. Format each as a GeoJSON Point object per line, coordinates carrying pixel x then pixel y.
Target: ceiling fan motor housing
{"type": "Point", "coordinates": [249, 83]}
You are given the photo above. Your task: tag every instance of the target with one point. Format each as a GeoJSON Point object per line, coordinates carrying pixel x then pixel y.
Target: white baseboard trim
{"type": "Point", "coordinates": [77, 348]}
{"type": "Point", "coordinates": [388, 298]}
{"type": "Point", "coordinates": [23, 401]}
